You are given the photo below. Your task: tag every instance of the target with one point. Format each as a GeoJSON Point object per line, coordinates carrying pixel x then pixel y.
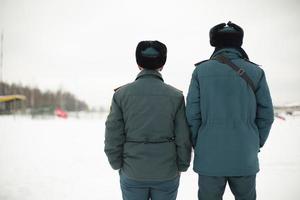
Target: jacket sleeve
{"type": "Point", "coordinates": [264, 113]}
{"type": "Point", "coordinates": [182, 138]}
{"type": "Point", "coordinates": [114, 135]}
{"type": "Point", "coordinates": [193, 111]}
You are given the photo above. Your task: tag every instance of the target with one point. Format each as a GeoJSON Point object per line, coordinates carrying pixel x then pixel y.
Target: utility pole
{"type": "Point", "coordinates": [1, 57]}
{"type": "Point", "coordinates": [2, 89]}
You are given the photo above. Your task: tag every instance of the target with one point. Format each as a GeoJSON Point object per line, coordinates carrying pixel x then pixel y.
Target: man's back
{"type": "Point", "coordinates": [227, 136]}
{"type": "Point", "coordinates": [149, 107]}
{"type": "Point", "coordinates": [156, 145]}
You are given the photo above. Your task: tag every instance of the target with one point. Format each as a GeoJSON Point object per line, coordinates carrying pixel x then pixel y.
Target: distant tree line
{"type": "Point", "coordinates": [37, 99]}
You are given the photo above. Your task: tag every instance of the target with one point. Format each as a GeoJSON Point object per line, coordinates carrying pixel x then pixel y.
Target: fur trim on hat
{"type": "Point", "coordinates": [226, 36]}
{"type": "Point", "coordinates": [151, 54]}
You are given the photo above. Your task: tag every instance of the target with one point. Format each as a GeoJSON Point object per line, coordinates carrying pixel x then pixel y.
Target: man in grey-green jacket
{"type": "Point", "coordinates": [230, 118]}
{"type": "Point", "coordinates": [147, 136]}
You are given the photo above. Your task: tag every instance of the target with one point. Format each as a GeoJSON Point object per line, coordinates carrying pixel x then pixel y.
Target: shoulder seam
{"type": "Point", "coordinates": [252, 62]}
{"type": "Point", "coordinates": [174, 88]}
{"type": "Point", "coordinates": [198, 63]}
{"type": "Point", "coordinates": [116, 89]}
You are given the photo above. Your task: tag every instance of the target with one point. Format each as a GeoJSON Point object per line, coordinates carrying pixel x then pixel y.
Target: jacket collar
{"type": "Point", "coordinates": [149, 73]}
{"type": "Point", "coordinates": [231, 53]}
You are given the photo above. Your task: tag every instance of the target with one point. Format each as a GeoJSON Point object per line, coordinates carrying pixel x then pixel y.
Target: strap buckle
{"type": "Point", "coordinates": [240, 72]}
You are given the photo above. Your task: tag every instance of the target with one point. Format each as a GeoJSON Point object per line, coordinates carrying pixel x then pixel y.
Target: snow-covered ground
{"type": "Point", "coordinates": [57, 159]}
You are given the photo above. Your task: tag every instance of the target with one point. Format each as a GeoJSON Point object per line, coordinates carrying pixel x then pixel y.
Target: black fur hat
{"type": "Point", "coordinates": [151, 54]}
{"type": "Point", "coordinates": [226, 35]}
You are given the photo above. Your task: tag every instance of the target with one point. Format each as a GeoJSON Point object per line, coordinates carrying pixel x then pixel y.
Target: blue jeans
{"type": "Point", "coordinates": [145, 190]}
{"type": "Point", "coordinates": [213, 187]}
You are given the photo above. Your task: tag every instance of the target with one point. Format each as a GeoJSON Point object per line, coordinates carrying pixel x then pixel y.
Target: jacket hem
{"type": "Point", "coordinates": [122, 173]}
{"type": "Point", "coordinates": [226, 173]}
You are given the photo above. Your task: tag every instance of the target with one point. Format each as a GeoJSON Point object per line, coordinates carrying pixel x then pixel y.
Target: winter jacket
{"type": "Point", "coordinates": [147, 135]}
{"type": "Point", "coordinates": [229, 121]}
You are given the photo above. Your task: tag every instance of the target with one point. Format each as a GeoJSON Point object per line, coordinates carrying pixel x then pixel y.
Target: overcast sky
{"type": "Point", "coordinates": [87, 46]}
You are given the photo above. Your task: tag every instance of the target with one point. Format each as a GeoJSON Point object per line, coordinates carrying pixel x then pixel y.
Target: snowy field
{"type": "Point", "coordinates": [57, 159]}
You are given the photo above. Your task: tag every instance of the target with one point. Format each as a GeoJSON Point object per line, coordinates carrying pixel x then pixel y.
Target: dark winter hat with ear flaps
{"type": "Point", "coordinates": [151, 54]}
{"type": "Point", "coordinates": [226, 35]}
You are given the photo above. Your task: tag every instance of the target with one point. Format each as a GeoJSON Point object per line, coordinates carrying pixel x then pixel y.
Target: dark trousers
{"type": "Point", "coordinates": [213, 187]}
{"type": "Point", "coordinates": [145, 190]}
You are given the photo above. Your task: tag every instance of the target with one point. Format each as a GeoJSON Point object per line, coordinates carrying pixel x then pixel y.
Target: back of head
{"type": "Point", "coordinates": [151, 54]}
{"type": "Point", "coordinates": [226, 35]}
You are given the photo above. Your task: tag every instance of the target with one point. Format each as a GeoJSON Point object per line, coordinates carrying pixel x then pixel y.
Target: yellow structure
{"type": "Point", "coordinates": [11, 103]}
{"type": "Point", "coordinates": [8, 98]}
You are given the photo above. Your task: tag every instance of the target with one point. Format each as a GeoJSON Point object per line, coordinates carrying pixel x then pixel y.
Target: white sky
{"type": "Point", "coordinates": [87, 46]}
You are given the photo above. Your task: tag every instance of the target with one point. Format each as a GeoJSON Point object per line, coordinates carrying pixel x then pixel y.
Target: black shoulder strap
{"type": "Point", "coordinates": [240, 71]}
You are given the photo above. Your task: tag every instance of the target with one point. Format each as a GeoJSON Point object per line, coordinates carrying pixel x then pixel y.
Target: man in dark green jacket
{"type": "Point", "coordinates": [147, 136]}
{"type": "Point", "coordinates": [230, 117]}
